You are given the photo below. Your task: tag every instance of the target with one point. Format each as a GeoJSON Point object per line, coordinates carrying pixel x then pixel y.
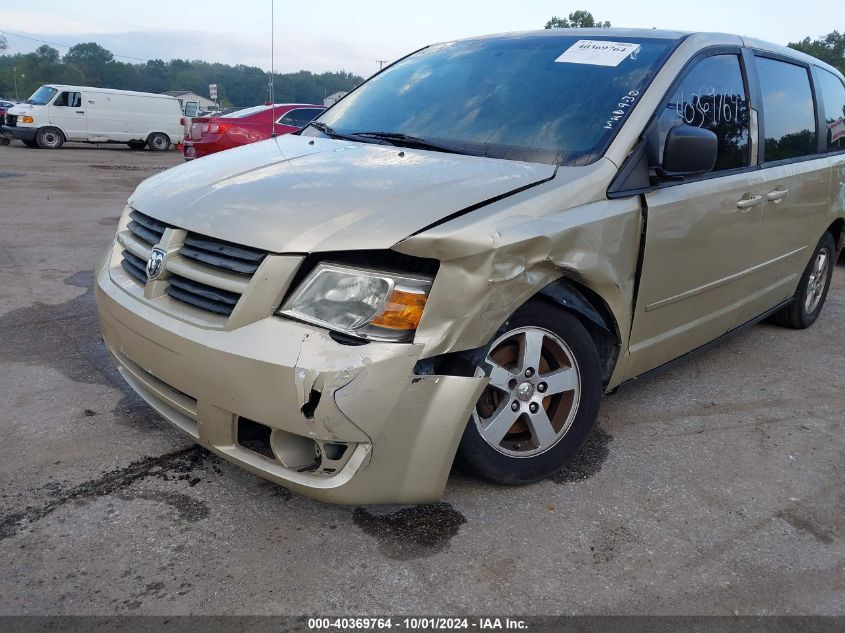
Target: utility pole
{"type": "Point", "coordinates": [381, 63]}
{"type": "Point", "coordinates": [15, 79]}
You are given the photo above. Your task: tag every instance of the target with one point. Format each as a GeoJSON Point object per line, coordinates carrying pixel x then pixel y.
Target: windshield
{"type": "Point", "coordinates": [42, 96]}
{"type": "Point", "coordinates": [550, 99]}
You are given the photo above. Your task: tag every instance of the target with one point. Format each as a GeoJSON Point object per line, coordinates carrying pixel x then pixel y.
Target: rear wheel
{"type": "Point", "coordinates": [812, 288]}
{"type": "Point", "coordinates": [158, 142]}
{"type": "Point", "coordinates": [542, 400]}
{"type": "Point", "coordinates": [137, 144]}
{"type": "Point", "coordinates": [50, 138]}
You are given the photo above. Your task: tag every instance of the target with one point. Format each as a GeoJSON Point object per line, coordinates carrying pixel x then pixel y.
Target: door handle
{"type": "Point", "coordinates": [747, 201]}
{"type": "Point", "coordinates": [80, 111]}
{"type": "Point", "coordinates": [776, 195]}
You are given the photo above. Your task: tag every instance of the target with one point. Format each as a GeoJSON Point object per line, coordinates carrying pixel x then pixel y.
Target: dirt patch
{"type": "Point", "coordinates": [179, 465]}
{"type": "Point", "coordinates": [586, 462]}
{"type": "Point", "coordinates": [606, 548]}
{"type": "Point", "coordinates": [414, 532]}
{"type": "Point", "coordinates": [125, 167]}
{"type": "Point", "coordinates": [808, 525]}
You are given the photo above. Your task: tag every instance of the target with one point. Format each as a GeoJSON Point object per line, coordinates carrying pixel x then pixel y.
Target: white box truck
{"type": "Point", "coordinates": [57, 113]}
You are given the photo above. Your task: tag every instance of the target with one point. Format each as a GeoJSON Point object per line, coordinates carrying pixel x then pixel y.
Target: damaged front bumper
{"type": "Point", "coordinates": [400, 430]}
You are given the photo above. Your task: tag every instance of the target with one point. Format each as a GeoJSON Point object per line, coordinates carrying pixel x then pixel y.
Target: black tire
{"type": "Point", "coordinates": [158, 142]}
{"type": "Point", "coordinates": [479, 457]}
{"type": "Point", "coordinates": [50, 138]}
{"type": "Point", "coordinates": [799, 315]}
{"type": "Point", "coordinates": [137, 145]}
{"type": "Point", "coordinates": [31, 144]}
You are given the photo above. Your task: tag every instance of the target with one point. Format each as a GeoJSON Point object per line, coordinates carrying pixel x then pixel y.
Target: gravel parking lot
{"type": "Point", "coordinates": [715, 488]}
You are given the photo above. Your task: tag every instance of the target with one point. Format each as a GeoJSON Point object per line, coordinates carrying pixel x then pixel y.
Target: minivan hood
{"type": "Point", "coordinates": [294, 194]}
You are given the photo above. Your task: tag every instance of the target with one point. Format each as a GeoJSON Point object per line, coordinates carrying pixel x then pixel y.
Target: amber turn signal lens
{"type": "Point", "coordinates": [402, 311]}
{"type": "Point", "coordinates": [26, 119]}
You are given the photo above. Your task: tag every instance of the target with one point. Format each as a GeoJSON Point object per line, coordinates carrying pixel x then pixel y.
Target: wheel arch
{"type": "Point", "coordinates": [837, 229]}
{"type": "Point", "coordinates": [565, 293]}
{"type": "Point", "coordinates": [55, 127]}
{"type": "Point", "coordinates": [593, 312]}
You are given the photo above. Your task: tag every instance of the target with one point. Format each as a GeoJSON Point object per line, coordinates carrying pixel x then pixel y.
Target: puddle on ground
{"type": "Point", "coordinates": [414, 532]}
{"type": "Point", "coordinates": [64, 336]}
{"type": "Point", "coordinates": [588, 461]}
{"type": "Point", "coordinates": [187, 464]}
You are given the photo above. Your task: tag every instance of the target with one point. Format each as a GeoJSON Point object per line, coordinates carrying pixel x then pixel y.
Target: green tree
{"type": "Point", "coordinates": [829, 48]}
{"type": "Point", "coordinates": [238, 86]}
{"type": "Point", "coordinates": [3, 44]}
{"type": "Point", "coordinates": [47, 54]}
{"type": "Point", "coordinates": [92, 59]}
{"type": "Point", "coordinates": [577, 20]}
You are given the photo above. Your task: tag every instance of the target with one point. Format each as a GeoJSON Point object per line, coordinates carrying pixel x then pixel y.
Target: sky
{"type": "Point", "coordinates": [353, 35]}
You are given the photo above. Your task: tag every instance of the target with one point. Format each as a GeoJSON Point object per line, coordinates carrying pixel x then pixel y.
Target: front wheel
{"type": "Point", "coordinates": [158, 142]}
{"type": "Point", "coordinates": [50, 138]}
{"type": "Point", "coordinates": [812, 288]}
{"type": "Point", "coordinates": [542, 401]}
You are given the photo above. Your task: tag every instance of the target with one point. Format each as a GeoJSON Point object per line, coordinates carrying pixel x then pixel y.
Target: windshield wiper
{"type": "Point", "coordinates": [405, 140]}
{"type": "Point", "coordinates": [325, 129]}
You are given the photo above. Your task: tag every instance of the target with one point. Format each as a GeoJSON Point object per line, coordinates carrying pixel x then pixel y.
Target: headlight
{"type": "Point", "coordinates": [365, 303]}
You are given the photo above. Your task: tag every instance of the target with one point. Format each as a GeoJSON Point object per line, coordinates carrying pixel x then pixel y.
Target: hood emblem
{"type": "Point", "coordinates": [155, 264]}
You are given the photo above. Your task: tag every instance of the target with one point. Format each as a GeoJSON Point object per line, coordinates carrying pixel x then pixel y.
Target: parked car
{"type": "Point", "coordinates": [214, 134]}
{"type": "Point", "coordinates": [4, 106]}
{"type": "Point", "coordinates": [57, 113]}
{"type": "Point", "coordinates": [474, 245]}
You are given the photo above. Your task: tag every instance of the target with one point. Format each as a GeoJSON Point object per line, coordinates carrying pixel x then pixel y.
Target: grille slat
{"type": "Point", "coordinates": [150, 237]}
{"type": "Point", "coordinates": [149, 223]}
{"type": "Point", "coordinates": [203, 290]}
{"type": "Point", "coordinates": [199, 302]}
{"type": "Point", "coordinates": [220, 254]}
{"type": "Point", "coordinates": [135, 266]}
{"type": "Point", "coordinates": [235, 265]}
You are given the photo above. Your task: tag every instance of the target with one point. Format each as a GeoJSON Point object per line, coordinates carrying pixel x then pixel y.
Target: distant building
{"type": "Point", "coordinates": [186, 98]}
{"type": "Point", "coordinates": [333, 98]}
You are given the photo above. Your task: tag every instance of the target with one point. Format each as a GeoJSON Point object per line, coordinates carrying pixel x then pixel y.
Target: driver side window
{"type": "Point", "coordinates": [68, 100]}
{"type": "Point", "coordinates": [712, 96]}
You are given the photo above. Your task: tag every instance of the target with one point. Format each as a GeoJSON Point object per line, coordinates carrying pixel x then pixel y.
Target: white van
{"type": "Point", "coordinates": [57, 113]}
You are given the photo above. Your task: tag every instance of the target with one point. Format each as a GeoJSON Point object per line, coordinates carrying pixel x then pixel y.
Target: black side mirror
{"type": "Point", "coordinates": [688, 151]}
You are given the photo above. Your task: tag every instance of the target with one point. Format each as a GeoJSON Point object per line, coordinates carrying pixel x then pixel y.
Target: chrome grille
{"type": "Point", "coordinates": [206, 273]}
{"type": "Point", "coordinates": [202, 296]}
{"type": "Point", "coordinates": [219, 254]}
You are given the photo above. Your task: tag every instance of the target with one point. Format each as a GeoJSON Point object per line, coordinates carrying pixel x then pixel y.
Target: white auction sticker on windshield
{"type": "Point", "coordinates": [597, 52]}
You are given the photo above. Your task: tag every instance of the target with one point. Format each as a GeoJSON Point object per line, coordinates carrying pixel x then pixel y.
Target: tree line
{"type": "Point", "coordinates": [89, 64]}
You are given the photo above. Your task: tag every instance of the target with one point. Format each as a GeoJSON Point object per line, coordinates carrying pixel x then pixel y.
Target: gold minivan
{"type": "Point", "coordinates": [465, 252]}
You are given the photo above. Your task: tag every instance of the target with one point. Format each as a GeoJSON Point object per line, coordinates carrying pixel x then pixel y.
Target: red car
{"type": "Point", "coordinates": [214, 134]}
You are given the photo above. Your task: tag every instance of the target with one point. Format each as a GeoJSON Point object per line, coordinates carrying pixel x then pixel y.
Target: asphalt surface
{"type": "Point", "coordinates": [715, 488]}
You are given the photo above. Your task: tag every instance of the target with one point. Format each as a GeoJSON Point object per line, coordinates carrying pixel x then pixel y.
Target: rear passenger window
{"type": "Point", "coordinates": [788, 114]}
{"type": "Point", "coordinates": [833, 99]}
{"type": "Point", "coordinates": [712, 96]}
